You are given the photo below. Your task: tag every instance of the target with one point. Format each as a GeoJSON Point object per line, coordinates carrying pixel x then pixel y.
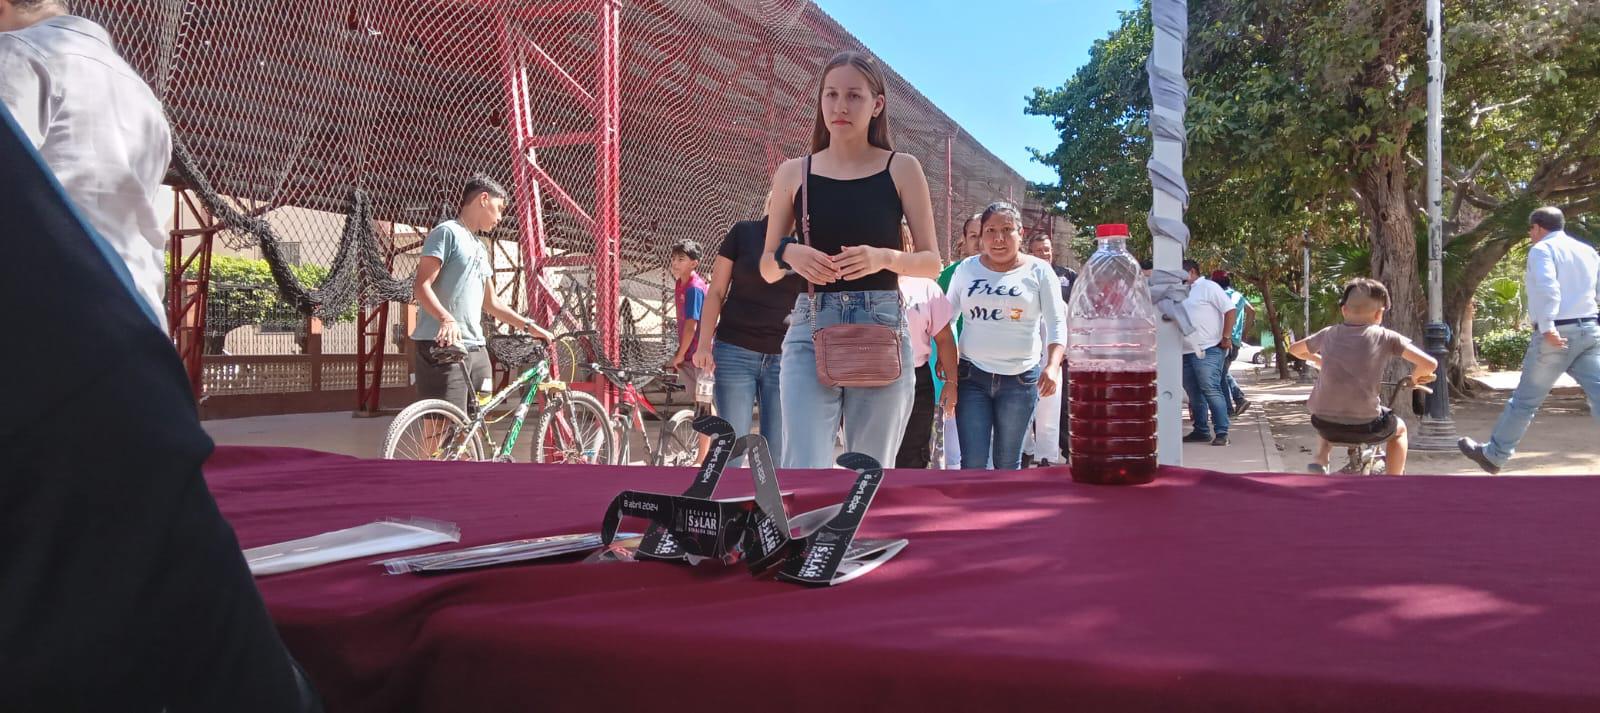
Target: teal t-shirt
{"type": "Point", "coordinates": [948, 272]}
{"type": "Point", "coordinates": [460, 281]}
{"type": "Point", "coordinates": [1239, 301]}
{"type": "Point", "coordinates": [945, 275]}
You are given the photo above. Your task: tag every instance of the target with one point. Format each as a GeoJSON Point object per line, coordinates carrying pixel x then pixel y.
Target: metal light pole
{"type": "Point", "coordinates": [1305, 286]}
{"type": "Point", "coordinates": [1438, 432]}
{"type": "Point", "coordinates": [1305, 294]}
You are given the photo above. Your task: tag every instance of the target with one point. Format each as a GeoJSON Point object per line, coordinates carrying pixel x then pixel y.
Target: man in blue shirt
{"type": "Point", "coordinates": [1564, 303]}
{"type": "Point", "coordinates": [452, 286]}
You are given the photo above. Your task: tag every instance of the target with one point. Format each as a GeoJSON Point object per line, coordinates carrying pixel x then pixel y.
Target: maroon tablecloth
{"type": "Point", "coordinates": [1202, 591]}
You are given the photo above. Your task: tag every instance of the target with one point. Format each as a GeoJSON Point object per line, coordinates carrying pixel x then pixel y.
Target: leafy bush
{"type": "Point", "coordinates": [242, 292]}
{"type": "Point", "coordinates": [1503, 350]}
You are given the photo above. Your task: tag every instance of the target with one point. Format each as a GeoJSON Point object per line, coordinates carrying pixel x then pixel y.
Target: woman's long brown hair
{"type": "Point", "coordinates": [878, 127]}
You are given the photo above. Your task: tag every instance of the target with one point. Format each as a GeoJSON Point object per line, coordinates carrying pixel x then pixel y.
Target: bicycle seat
{"type": "Point", "coordinates": [452, 354]}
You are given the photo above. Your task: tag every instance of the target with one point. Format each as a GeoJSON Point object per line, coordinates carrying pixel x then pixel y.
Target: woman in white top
{"type": "Point", "coordinates": [1010, 302]}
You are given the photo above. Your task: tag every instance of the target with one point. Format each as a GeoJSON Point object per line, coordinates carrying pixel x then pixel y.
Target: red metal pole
{"type": "Point", "coordinates": [607, 193]}
{"type": "Point", "coordinates": [525, 184]}
{"type": "Point", "coordinates": [174, 269]}
{"type": "Point", "coordinates": [186, 296]}
{"type": "Point", "coordinates": [372, 332]}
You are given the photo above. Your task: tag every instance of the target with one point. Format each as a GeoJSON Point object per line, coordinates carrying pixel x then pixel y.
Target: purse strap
{"type": "Point", "coordinates": [805, 236]}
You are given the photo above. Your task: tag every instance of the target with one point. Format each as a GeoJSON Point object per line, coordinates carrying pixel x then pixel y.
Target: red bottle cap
{"type": "Point", "coordinates": [1111, 230]}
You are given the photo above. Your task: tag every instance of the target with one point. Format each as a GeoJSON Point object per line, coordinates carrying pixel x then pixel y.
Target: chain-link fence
{"type": "Point", "coordinates": [622, 127]}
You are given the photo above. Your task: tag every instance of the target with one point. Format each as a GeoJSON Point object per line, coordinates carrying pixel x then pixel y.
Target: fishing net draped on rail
{"type": "Point", "coordinates": [338, 132]}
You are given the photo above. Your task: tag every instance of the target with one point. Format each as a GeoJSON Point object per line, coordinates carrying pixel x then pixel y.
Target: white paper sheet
{"type": "Point", "coordinates": [375, 538]}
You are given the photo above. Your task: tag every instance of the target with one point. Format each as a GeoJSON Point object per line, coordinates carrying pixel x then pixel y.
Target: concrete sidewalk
{"type": "Point", "coordinates": [1252, 448]}
{"type": "Point", "coordinates": [333, 432]}
{"type": "Point", "coordinates": [1507, 381]}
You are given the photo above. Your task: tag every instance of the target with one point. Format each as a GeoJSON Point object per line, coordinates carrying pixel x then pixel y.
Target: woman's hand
{"type": "Point", "coordinates": [702, 358]}
{"type": "Point", "coordinates": [812, 264]}
{"type": "Point", "coordinates": [1049, 381]}
{"type": "Point", "coordinates": [858, 261]}
{"type": "Point", "coordinates": [947, 399]}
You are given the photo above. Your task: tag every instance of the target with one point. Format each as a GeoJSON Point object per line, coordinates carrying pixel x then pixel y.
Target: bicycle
{"type": "Point", "coordinates": [676, 444]}
{"type": "Point", "coordinates": [571, 426]}
{"type": "Point", "coordinates": [1369, 458]}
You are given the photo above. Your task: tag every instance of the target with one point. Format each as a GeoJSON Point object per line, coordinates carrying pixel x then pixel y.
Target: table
{"type": "Point", "coordinates": [1201, 591]}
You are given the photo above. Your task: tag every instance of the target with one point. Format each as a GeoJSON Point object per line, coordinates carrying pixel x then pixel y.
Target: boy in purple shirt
{"type": "Point", "coordinates": [690, 297]}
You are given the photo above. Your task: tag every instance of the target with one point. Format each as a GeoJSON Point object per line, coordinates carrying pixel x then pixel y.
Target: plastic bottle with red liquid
{"type": "Point", "coordinates": [1111, 351]}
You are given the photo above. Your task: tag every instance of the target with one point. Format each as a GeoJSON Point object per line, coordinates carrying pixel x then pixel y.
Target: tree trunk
{"type": "Point", "coordinates": [1383, 200]}
{"type": "Point", "coordinates": [1280, 349]}
{"type": "Point", "coordinates": [1467, 351]}
{"type": "Point", "coordinates": [1458, 294]}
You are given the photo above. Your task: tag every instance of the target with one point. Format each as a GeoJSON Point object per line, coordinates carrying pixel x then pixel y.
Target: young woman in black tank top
{"type": "Point", "coordinates": [859, 188]}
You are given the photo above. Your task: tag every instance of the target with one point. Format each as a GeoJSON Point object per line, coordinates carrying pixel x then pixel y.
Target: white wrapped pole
{"type": "Point", "coordinates": [1170, 94]}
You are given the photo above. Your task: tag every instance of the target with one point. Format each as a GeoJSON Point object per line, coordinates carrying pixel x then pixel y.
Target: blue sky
{"type": "Point", "coordinates": [979, 59]}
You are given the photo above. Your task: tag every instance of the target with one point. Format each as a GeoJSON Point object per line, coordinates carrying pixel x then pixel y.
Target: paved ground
{"type": "Point", "coordinates": [336, 432]}
{"type": "Point", "coordinates": [1273, 436]}
{"type": "Point", "coordinates": [1561, 441]}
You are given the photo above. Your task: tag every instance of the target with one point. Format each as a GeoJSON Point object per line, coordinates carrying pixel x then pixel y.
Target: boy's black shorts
{"type": "Point", "coordinates": [1379, 430]}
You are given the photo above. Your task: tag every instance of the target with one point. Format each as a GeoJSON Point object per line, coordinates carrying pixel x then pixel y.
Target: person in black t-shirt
{"type": "Point", "coordinates": [1051, 443]}
{"type": "Point", "coordinates": [745, 345]}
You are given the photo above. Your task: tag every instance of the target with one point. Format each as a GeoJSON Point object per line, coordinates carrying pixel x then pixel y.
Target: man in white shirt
{"type": "Point", "coordinates": [1212, 314]}
{"type": "Point", "coordinates": [1563, 286]}
{"type": "Point", "coordinates": [1048, 443]}
{"type": "Point", "coordinates": [97, 125]}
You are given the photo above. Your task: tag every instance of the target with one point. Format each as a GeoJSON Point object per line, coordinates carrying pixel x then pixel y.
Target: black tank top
{"type": "Point", "coordinates": [859, 211]}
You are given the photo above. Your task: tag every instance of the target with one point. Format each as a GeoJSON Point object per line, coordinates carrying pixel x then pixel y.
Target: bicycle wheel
{"type": "Point", "coordinates": [431, 429]}
{"type": "Point", "coordinates": [680, 443]}
{"type": "Point", "coordinates": [572, 428]}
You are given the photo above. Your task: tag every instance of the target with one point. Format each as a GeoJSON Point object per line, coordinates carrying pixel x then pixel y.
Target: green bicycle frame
{"type": "Point", "coordinates": [534, 378]}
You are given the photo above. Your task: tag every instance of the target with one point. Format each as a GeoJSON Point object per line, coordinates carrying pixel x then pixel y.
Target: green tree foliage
{"type": "Point", "coordinates": [242, 293]}
{"type": "Point", "coordinates": [1307, 112]}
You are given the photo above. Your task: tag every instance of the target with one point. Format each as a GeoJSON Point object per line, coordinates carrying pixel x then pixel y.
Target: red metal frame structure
{"type": "Point", "coordinates": [522, 52]}
{"type": "Point", "coordinates": [372, 333]}
{"type": "Point", "coordinates": [186, 294]}
{"type": "Point", "coordinates": [620, 128]}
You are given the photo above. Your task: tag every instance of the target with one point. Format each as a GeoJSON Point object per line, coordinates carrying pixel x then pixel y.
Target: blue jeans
{"type": "Point", "coordinates": [745, 378]}
{"type": "Point", "coordinates": [1540, 369]}
{"type": "Point", "coordinates": [993, 412]}
{"type": "Point", "coordinates": [874, 418]}
{"type": "Point", "coordinates": [1202, 380]}
{"type": "Point", "coordinates": [1235, 394]}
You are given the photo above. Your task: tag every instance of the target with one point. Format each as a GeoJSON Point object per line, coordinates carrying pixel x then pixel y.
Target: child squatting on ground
{"type": "Point", "coordinates": [1346, 403]}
